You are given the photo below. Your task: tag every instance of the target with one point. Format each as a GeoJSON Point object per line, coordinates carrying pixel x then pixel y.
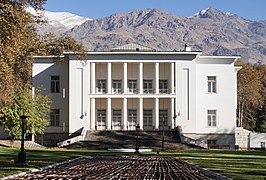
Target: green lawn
{"type": "Point", "coordinates": [234, 164]}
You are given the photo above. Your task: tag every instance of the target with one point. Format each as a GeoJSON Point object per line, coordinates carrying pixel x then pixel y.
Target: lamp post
{"type": "Point", "coordinates": [137, 139]}
{"type": "Point", "coordinates": [163, 135]}
{"type": "Point", "coordinates": [22, 153]}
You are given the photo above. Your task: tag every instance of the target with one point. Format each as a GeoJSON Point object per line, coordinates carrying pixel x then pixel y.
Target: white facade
{"type": "Point", "coordinates": [118, 90]}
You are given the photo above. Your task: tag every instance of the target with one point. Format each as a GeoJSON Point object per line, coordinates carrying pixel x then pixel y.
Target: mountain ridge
{"type": "Point", "coordinates": [212, 31]}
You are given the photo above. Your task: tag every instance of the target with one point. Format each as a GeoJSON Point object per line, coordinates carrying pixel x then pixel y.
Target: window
{"type": "Point", "coordinates": [163, 86]}
{"type": "Point", "coordinates": [55, 84]}
{"type": "Point", "coordinates": [211, 84]}
{"type": "Point", "coordinates": [132, 86]}
{"type": "Point", "coordinates": [132, 119]}
{"type": "Point", "coordinates": [211, 141]}
{"type": "Point", "coordinates": [54, 117]}
{"type": "Point", "coordinates": [147, 119]}
{"type": "Point", "coordinates": [117, 86]}
{"type": "Point", "coordinates": [147, 86]}
{"type": "Point", "coordinates": [101, 86]}
{"type": "Point", "coordinates": [163, 117]}
{"type": "Point", "coordinates": [116, 119]}
{"type": "Point", "coordinates": [101, 118]}
{"type": "Point", "coordinates": [212, 118]}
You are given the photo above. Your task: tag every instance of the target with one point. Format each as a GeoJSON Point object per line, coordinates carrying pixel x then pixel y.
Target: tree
{"type": "Point", "coordinates": [261, 117]}
{"type": "Point", "coordinates": [249, 96]}
{"type": "Point", "coordinates": [18, 43]}
{"type": "Point", "coordinates": [34, 107]}
{"type": "Point", "coordinates": [16, 46]}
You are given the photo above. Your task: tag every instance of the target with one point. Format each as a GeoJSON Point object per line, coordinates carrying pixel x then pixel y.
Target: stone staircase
{"type": "Point", "coordinates": [127, 139]}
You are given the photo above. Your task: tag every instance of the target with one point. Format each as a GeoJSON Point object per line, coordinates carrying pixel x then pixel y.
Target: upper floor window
{"type": "Point", "coordinates": [101, 86]}
{"type": "Point", "coordinates": [163, 86]}
{"type": "Point", "coordinates": [54, 117]}
{"type": "Point", "coordinates": [55, 84]}
{"type": "Point", "coordinates": [117, 86]}
{"type": "Point", "coordinates": [147, 86]}
{"type": "Point", "coordinates": [132, 86]}
{"type": "Point", "coordinates": [212, 118]}
{"type": "Point", "coordinates": [211, 84]}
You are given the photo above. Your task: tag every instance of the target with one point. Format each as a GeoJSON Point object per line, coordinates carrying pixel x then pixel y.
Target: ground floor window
{"type": "Point", "coordinates": [132, 119]}
{"type": "Point", "coordinates": [101, 119]}
{"type": "Point", "coordinates": [54, 117]}
{"type": "Point", "coordinates": [163, 117]}
{"type": "Point", "coordinates": [116, 123]}
{"type": "Point", "coordinates": [147, 119]}
{"type": "Point", "coordinates": [211, 118]}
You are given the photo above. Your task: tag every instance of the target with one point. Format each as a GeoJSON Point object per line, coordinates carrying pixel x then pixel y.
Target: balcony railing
{"type": "Point", "coordinates": [164, 91]}
{"type": "Point", "coordinates": [148, 91]}
{"type": "Point", "coordinates": [100, 91]}
{"type": "Point", "coordinates": [117, 91]}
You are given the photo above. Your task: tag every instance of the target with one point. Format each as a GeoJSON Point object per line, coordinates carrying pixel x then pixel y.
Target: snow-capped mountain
{"type": "Point", "coordinates": [206, 13]}
{"type": "Point", "coordinates": [58, 22]}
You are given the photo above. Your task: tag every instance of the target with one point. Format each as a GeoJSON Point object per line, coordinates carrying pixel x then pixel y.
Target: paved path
{"type": "Point", "coordinates": [96, 168]}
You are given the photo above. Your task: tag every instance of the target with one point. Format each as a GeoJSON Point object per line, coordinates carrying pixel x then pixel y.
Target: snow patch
{"type": "Point", "coordinates": [67, 19]}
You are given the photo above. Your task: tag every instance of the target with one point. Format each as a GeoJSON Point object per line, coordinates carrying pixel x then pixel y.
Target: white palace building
{"type": "Point", "coordinates": [132, 84]}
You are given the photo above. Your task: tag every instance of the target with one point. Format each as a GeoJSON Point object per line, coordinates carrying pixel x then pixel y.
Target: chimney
{"type": "Point", "coordinates": [187, 47]}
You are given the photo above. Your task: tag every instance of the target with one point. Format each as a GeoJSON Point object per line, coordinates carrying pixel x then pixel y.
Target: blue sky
{"type": "Point", "coordinates": [250, 9]}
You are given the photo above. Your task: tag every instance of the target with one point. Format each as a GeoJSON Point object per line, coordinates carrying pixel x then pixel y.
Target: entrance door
{"type": "Point", "coordinates": [132, 119]}
{"type": "Point", "coordinates": [101, 119]}
{"type": "Point", "coordinates": [163, 119]}
{"type": "Point", "coordinates": [147, 120]}
{"type": "Point", "coordinates": [116, 122]}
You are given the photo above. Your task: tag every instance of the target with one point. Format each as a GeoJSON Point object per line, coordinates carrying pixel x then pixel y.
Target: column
{"type": "Point", "coordinates": [89, 77]}
{"type": "Point", "coordinates": [140, 78]}
{"type": "Point", "coordinates": [88, 113]}
{"type": "Point", "coordinates": [93, 114]}
{"type": "Point", "coordinates": [140, 122]}
{"type": "Point", "coordinates": [125, 78]}
{"type": "Point", "coordinates": [93, 78]}
{"type": "Point", "coordinates": [109, 78]}
{"type": "Point", "coordinates": [156, 77]}
{"type": "Point", "coordinates": [125, 114]}
{"type": "Point", "coordinates": [176, 91]}
{"type": "Point", "coordinates": [109, 114]}
{"type": "Point", "coordinates": [156, 113]}
{"type": "Point", "coordinates": [173, 120]}
{"type": "Point", "coordinates": [172, 77]}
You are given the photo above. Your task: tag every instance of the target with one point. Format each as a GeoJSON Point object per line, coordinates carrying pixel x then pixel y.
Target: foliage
{"type": "Point", "coordinates": [19, 42]}
{"type": "Point", "coordinates": [251, 87]}
{"type": "Point", "coordinates": [50, 44]}
{"type": "Point", "coordinates": [16, 46]}
{"type": "Point", "coordinates": [34, 107]}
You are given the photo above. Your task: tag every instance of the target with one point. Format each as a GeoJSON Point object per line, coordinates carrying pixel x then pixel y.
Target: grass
{"type": "Point", "coordinates": [233, 164]}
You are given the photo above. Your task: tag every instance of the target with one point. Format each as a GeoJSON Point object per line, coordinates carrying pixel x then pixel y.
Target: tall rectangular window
{"type": "Point", "coordinates": [212, 118]}
{"type": "Point", "coordinates": [132, 86]}
{"type": "Point", "coordinates": [211, 84]}
{"type": "Point", "coordinates": [163, 86]}
{"type": "Point", "coordinates": [147, 86]}
{"type": "Point", "coordinates": [132, 119]}
{"type": "Point", "coordinates": [101, 119]}
{"type": "Point", "coordinates": [163, 117]}
{"type": "Point", "coordinates": [117, 87]}
{"type": "Point", "coordinates": [147, 118]}
{"type": "Point", "coordinates": [116, 119]}
{"type": "Point", "coordinates": [101, 86]}
{"type": "Point", "coordinates": [55, 84]}
{"type": "Point", "coordinates": [54, 117]}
